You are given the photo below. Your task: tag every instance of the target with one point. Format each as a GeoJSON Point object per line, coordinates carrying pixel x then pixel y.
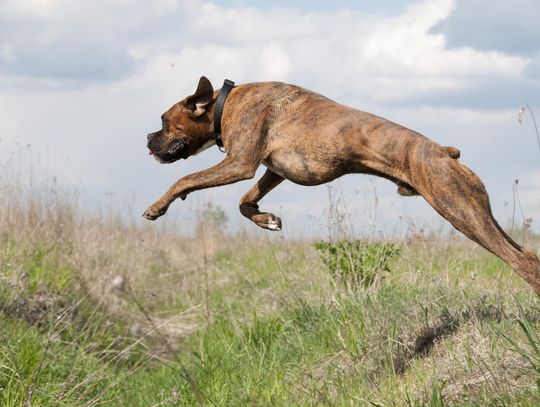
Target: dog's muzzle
{"type": "Point", "coordinates": [175, 151]}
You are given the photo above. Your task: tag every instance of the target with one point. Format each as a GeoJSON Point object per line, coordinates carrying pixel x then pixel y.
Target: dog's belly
{"type": "Point", "coordinates": [304, 170]}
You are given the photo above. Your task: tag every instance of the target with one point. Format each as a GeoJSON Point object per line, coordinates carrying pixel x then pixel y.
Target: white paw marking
{"type": "Point", "coordinates": [273, 226]}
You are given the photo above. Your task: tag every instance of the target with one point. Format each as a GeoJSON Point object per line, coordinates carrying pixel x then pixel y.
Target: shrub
{"type": "Point", "coordinates": [356, 263]}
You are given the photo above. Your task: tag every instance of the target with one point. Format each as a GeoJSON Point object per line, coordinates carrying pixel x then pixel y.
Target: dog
{"type": "Point", "coordinates": [309, 139]}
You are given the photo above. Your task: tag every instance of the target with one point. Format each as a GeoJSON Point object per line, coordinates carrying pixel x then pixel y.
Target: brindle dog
{"type": "Point", "coordinates": [309, 139]}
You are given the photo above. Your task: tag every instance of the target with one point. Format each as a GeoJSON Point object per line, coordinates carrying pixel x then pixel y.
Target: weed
{"type": "Point", "coordinates": [356, 263]}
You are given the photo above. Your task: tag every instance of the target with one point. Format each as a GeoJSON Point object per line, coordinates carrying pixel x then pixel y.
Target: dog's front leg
{"type": "Point", "coordinates": [226, 172]}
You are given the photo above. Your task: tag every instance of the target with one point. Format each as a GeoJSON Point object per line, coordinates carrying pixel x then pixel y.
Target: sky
{"type": "Point", "coordinates": [82, 83]}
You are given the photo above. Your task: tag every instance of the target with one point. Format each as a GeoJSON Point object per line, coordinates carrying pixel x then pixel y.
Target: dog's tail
{"type": "Point", "coordinates": [461, 198]}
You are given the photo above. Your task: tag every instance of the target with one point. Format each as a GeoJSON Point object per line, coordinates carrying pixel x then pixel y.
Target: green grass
{"type": "Point", "coordinates": [43, 369]}
{"type": "Point", "coordinates": [262, 323]}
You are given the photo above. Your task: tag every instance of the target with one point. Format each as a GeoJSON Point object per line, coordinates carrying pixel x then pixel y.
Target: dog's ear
{"type": "Point", "coordinates": [198, 102]}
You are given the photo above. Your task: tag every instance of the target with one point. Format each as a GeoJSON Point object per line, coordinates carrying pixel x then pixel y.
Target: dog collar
{"type": "Point", "coordinates": [225, 89]}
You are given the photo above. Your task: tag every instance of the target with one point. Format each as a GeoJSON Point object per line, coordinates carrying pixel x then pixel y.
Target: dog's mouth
{"type": "Point", "coordinates": [176, 150]}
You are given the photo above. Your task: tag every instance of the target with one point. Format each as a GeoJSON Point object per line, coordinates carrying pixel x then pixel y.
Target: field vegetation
{"type": "Point", "coordinates": [99, 310]}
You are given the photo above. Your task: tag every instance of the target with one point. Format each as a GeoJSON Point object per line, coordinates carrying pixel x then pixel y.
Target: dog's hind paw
{"type": "Point", "coordinates": [154, 212]}
{"type": "Point", "coordinates": [149, 215]}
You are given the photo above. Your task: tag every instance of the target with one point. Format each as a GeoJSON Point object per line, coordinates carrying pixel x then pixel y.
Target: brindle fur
{"type": "Point", "coordinates": [308, 139]}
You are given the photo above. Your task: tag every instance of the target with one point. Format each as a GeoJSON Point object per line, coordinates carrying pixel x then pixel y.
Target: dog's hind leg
{"type": "Point", "coordinates": [248, 203]}
{"type": "Point", "coordinates": [461, 198]}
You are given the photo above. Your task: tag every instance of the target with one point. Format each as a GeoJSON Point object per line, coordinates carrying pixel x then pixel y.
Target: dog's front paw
{"type": "Point", "coordinates": [270, 222]}
{"type": "Point", "coordinates": [153, 212]}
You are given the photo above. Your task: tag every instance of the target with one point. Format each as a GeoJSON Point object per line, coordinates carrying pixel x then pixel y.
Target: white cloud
{"type": "Point", "coordinates": [383, 58]}
{"type": "Point", "coordinates": [274, 62]}
{"type": "Point", "coordinates": [39, 8]}
{"type": "Point", "coordinates": [391, 58]}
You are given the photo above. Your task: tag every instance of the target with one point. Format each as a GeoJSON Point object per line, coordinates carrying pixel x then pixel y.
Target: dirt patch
{"type": "Point", "coordinates": [448, 323]}
{"type": "Point", "coordinates": [36, 309]}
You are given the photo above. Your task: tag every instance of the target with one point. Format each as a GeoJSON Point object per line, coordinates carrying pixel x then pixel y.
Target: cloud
{"type": "Point", "coordinates": [43, 39]}
{"type": "Point", "coordinates": [532, 70]}
{"type": "Point", "coordinates": [75, 42]}
{"type": "Point", "coordinates": [376, 7]}
{"type": "Point", "coordinates": [343, 53]}
{"type": "Point", "coordinates": [38, 8]}
{"type": "Point", "coordinates": [383, 58]}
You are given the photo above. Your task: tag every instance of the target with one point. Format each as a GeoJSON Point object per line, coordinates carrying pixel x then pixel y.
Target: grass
{"type": "Point", "coordinates": [95, 310]}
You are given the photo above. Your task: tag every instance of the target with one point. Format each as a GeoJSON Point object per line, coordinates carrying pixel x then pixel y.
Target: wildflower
{"type": "Point", "coordinates": [521, 114]}
{"type": "Point", "coordinates": [117, 283]}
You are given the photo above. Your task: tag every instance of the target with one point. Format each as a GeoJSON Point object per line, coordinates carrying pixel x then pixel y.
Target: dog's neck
{"type": "Point", "coordinates": [211, 142]}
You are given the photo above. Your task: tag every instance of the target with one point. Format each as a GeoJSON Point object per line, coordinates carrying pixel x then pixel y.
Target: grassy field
{"type": "Point", "coordinates": [97, 311]}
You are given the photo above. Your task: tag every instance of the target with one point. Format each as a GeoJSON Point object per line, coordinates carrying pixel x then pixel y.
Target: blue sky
{"type": "Point", "coordinates": [84, 82]}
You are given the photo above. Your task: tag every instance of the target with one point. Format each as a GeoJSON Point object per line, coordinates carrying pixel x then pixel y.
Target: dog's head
{"type": "Point", "coordinates": [186, 127]}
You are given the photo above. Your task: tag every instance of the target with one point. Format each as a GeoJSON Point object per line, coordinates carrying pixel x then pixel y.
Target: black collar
{"type": "Point", "coordinates": [225, 89]}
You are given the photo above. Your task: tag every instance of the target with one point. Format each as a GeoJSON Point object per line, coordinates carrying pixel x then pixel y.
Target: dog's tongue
{"type": "Point", "coordinates": [150, 152]}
